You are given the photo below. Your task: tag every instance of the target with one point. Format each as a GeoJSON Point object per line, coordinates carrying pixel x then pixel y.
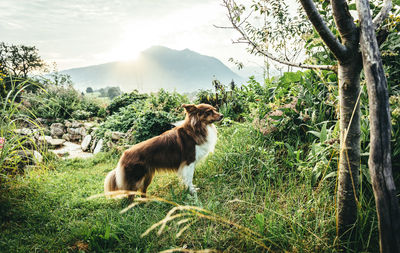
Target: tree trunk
{"type": "Point", "coordinates": [380, 164]}
{"type": "Point", "coordinates": [349, 161]}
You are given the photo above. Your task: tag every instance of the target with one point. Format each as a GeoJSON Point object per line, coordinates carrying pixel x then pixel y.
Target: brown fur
{"type": "Point", "coordinates": [168, 151]}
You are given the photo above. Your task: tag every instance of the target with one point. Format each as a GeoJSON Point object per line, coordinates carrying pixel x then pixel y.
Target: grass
{"type": "Point", "coordinates": [246, 182]}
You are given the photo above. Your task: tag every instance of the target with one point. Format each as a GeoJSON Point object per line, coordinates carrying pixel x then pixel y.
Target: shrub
{"type": "Point", "coordinates": [11, 143]}
{"type": "Point", "coordinates": [124, 100]}
{"type": "Point", "coordinates": [146, 116]}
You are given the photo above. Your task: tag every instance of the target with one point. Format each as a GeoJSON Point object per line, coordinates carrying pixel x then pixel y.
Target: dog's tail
{"type": "Point", "coordinates": [110, 183]}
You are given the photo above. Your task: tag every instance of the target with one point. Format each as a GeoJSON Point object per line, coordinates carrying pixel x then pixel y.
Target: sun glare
{"type": "Point", "coordinates": [134, 39]}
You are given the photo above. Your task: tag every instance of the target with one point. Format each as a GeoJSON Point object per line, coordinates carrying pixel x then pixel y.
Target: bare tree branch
{"type": "Point", "coordinates": [383, 13]}
{"type": "Point", "coordinates": [338, 50]}
{"type": "Point", "coordinates": [259, 49]}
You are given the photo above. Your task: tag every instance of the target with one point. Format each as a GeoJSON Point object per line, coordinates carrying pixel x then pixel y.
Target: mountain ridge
{"type": "Point", "coordinates": [156, 67]}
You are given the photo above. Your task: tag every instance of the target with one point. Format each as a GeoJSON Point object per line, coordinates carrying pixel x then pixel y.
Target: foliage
{"type": "Point", "coordinates": [19, 60]}
{"type": "Point", "coordinates": [145, 116]}
{"type": "Point", "coordinates": [124, 100]}
{"type": "Point", "coordinates": [62, 102]}
{"type": "Point", "coordinates": [15, 149]}
{"type": "Point", "coordinates": [246, 182]}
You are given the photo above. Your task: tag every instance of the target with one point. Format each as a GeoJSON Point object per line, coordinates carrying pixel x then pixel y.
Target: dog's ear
{"type": "Point", "coordinates": [189, 107]}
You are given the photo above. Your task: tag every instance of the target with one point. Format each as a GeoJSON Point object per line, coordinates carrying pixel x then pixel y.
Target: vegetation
{"type": "Point", "coordinates": [271, 184]}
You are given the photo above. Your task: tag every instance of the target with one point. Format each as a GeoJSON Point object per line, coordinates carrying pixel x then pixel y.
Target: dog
{"type": "Point", "coordinates": [178, 149]}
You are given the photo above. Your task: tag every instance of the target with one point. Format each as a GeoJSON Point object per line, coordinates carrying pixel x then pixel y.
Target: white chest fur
{"type": "Point", "coordinates": [209, 145]}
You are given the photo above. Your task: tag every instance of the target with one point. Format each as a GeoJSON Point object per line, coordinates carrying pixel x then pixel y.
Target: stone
{"type": "Point", "coordinates": [67, 123]}
{"type": "Point", "coordinates": [23, 131]}
{"type": "Point", "coordinates": [99, 146]}
{"type": "Point", "coordinates": [93, 146]}
{"type": "Point", "coordinates": [89, 125]}
{"type": "Point", "coordinates": [86, 142]}
{"type": "Point", "coordinates": [57, 129]}
{"type": "Point", "coordinates": [117, 136]}
{"type": "Point", "coordinates": [76, 124]}
{"type": "Point", "coordinates": [77, 131]}
{"type": "Point", "coordinates": [71, 150]}
{"type": "Point", "coordinates": [38, 157]}
{"type": "Point", "coordinates": [44, 139]}
{"type": "Point", "coordinates": [55, 143]}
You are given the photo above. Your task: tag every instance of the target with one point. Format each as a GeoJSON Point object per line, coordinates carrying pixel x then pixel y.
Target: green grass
{"type": "Point", "coordinates": [246, 181]}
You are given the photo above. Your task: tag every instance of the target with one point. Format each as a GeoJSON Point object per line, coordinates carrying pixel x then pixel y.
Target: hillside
{"type": "Point", "coordinates": [157, 67]}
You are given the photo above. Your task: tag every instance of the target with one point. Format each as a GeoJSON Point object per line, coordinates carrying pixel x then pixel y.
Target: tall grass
{"type": "Point", "coordinates": [15, 149]}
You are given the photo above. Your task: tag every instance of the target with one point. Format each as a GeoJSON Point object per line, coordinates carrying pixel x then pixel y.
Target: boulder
{"type": "Point", "coordinates": [86, 142]}
{"type": "Point", "coordinates": [116, 136]}
{"type": "Point", "coordinates": [57, 129]}
{"type": "Point", "coordinates": [99, 146]}
{"type": "Point", "coordinates": [23, 131]}
{"type": "Point", "coordinates": [67, 123]}
{"type": "Point", "coordinates": [55, 143]}
{"type": "Point", "coordinates": [77, 131]}
{"type": "Point", "coordinates": [76, 124]}
{"type": "Point", "coordinates": [72, 137]}
{"type": "Point", "coordinates": [93, 146]}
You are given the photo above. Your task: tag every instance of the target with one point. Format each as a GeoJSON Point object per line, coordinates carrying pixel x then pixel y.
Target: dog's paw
{"type": "Point", "coordinates": [193, 189]}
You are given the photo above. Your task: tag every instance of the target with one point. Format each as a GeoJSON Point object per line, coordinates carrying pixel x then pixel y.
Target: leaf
{"type": "Point", "coordinates": [324, 134]}
{"type": "Point", "coordinates": [315, 133]}
{"type": "Point", "coordinates": [352, 7]}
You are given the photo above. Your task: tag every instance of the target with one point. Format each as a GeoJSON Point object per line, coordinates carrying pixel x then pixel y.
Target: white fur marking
{"type": "Point", "coordinates": [186, 171]}
{"type": "Point", "coordinates": [120, 177]}
{"type": "Point", "coordinates": [209, 145]}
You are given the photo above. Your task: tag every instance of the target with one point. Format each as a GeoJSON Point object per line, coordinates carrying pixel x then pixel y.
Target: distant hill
{"type": "Point", "coordinates": [157, 67]}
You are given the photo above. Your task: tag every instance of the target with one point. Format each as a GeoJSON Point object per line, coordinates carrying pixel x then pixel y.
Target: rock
{"type": "Point", "coordinates": [99, 146]}
{"type": "Point", "coordinates": [55, 143]}
{"type": "Point", "coordinates": [72, 137]}
{"type": "Point", "coordinates": [77, 131]}
{"type": "Point", "coordinates": [71, 150]}
{"type": "Point", "coordinates": [23, 131]}
{"type": "Point", "coordinates": [67, 123]}
{"type": "Point", "coordinates": [76, 124]}
{"type": "Point", "coordinates": [89, 125]}
{"type": "Point", "coordinates": [38, 157]}
{"type": "Point", "coordinates": [117, 136]}
{"type": "Point", "coordinates": [44, 139]}
{"type": "Point", "coordinates": [86, 142]}
{"type": "Point", "coordinates": [57, 129]}
{"type": "Point", "coordinates": [93, 146]}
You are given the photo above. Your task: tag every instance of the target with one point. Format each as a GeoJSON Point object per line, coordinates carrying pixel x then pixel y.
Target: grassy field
{"type": "Point", "coordinates": [257, 203]}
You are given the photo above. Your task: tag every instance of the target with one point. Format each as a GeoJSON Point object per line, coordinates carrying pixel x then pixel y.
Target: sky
{"type": "Point", "coordinates": [76, 33]}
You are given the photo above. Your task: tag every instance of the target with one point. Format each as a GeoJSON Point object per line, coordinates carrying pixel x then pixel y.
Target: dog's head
{"type": "Point", "coordinates": [203, 113]}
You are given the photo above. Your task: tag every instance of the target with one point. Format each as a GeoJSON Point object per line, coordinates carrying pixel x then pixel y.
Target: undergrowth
{"type": "Point", "coordinates": [247, 181]}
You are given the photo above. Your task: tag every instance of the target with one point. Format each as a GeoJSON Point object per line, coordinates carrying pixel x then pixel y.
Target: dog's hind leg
{"type": "Point", "coordinates": [110, 183]}
{"type": "Point", "coordinates": [146, 182]}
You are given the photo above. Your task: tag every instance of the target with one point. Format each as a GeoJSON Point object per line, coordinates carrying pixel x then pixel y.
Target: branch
{"type": "Point", "coordinates": [345, 24]}
{"type": "Point", "coordinates": [383, 13]}
{"type": "Point", "coordinates": [338, 50]}
{"type": "Point", "coordinates": [261, 50]}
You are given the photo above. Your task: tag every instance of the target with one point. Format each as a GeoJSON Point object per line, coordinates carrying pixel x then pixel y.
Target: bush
{"type": "Point", "coordinates": [11, 143]}
{"type": "Point", "coordinates": [62, 102]}
{"type": "Point", "coordinates": [146, 116]}
{"type": "Point", "coordinates": [124, 100]}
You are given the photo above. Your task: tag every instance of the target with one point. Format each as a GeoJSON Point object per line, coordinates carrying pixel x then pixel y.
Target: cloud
{"type": "Point", "coordinates": [93, 31]}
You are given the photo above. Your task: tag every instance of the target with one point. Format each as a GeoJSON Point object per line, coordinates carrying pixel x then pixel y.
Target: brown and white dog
{"type": "Point", "coordinates": [178, 149]}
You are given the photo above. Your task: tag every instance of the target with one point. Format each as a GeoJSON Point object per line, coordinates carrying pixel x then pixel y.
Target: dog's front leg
{"type": "Point", "coordinates": [186, 173]}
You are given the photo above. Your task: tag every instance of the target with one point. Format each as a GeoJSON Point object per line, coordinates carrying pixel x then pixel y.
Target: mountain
{"type": "Point", "coordinates": [156, 67]}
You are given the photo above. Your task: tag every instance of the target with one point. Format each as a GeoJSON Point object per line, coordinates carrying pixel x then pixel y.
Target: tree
{"type": "Point", "coordinates": [346, 50]}
{"type": "Point", "coordinates": [89, 90]}
{"type": "Point", "coordinates": [113, 92]}
{"type": "Point", "coordinates": [19, 60]}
